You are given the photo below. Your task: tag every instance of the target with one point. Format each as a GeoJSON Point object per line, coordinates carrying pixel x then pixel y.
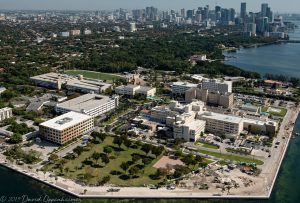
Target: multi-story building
{"type": "Point", "coordinates": [90, 104]}
{"type": "Point", "coordinates": [225, 100]}
{"type": "Point", "coordinates": [66, 127]}
{"type": "Point", "coordinates": [180, 88]}
{"type": "Point", "coordinates": [220, 123]}
{"type": "Point", "coordinates": [217, 85]}
{"type": "Point", "coordinates": [65, 34]}
{"type": "Point", "coordinates": [164, 113]}
{"type": "Point", "coordinates": [132, 90]}
{"type": "Point", "coordinates": [55, 80]}
{"type": "Point", "coordinates": [87, 85]}
{"type": "Point", "coordinates": [258, 127]}
{"type": "Point", "coordinates": [87, 32]}
{"type": "Point", "coordinates": [5, 113]}
{"type": "Point", "coordinates": [75, 32]}
{"type": "Point", "coordinates": [189, 131]}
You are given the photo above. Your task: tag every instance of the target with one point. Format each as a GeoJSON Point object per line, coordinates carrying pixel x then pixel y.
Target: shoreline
{"type": "Point", "coordinates": [144, 192]}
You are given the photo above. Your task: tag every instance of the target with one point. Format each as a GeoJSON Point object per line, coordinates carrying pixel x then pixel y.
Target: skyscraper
{"type": "Point", "coordinates": [243, 10]}
{"type": "Point", "coordinates": [264, 8]}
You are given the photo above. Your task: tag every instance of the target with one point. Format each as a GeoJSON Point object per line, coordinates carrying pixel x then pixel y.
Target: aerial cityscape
{"type": "Point", "coordinates": [149, 103]}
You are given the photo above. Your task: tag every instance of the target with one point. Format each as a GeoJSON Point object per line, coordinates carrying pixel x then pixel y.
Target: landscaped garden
{"type": "Point", "coordinates": [119, 161]}
{"type": "Point", "coordinates": [232, 157]}
{"type": "Point", "coordinates": [93, 75]}
{"type": "Point", "coordinates": [112, 160]}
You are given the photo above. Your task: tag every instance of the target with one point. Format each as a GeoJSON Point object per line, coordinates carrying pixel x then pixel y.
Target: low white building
{"type": "Point", "coordinates": [182, 87]}
{"type": "Point", "coordinates": [5, 113]}
{"type": "Point", "coordinates": [132, 90]}
{"type": "Point", "coordinates": [2, 89]}
{"type": "Point", "coordinates": [90, 104]}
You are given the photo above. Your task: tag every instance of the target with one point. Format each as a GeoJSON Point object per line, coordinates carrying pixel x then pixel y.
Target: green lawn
{"type": "Point", "coordinates": [232, 157]}
{"type": "Point", "coordinates": [207, 145]}
{"type": "Point", "coordinates": [93, 75]}
{"type": "Point", "coordinates": [75, 169]}
{"type": "Point", "coordinates": [281, 114]}
{"type": "Point", "coordinates": [264, 109]}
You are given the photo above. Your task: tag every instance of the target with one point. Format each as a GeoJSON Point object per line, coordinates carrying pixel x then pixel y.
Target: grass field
{"type": "Point", "coordinates": [93, 75]}
{"type": "Point", "coordinates": [75, 168]}
{"type": "Point", "coordinates": [206, 145]}
{"type": "Point", "coordinates": [282, 113]}
{"type": "Point", "coordinates": [232, 157]}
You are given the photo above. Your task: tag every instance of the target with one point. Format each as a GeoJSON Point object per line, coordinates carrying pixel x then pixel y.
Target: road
{"type": "Point", "coordinates": [270, 167]}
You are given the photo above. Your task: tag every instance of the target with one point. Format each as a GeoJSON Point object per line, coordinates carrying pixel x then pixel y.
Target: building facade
{"type": "Point", "coordinates": [131, 90]}
{"type": "Point", "coordinates": [217, 85]}
{"type": "Point", "coordinates": [222, 124]}
{"type": "Point", "coordinates": [90, 104]}
{"type": "Point", "coordinates": [5, 113]}
{"type": "Point", "coordinates": [66, 127]}
{"type": "Point", "coordinates": [180, 88]}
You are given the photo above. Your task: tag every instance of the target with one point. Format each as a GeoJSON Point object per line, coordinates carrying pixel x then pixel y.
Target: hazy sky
{"type": "Point", "coordinates": [253, 5]}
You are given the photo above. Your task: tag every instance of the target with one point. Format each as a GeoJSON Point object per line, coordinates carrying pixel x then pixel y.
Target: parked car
{"type": "Point", "coordinates": [113, 190]}
{"type": "Point", "coordinates": [171, 187]}
{"type": "Point", "coordinates": [154, 187]}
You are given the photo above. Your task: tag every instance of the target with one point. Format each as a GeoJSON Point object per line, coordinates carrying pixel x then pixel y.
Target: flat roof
{"type": "Point", "coordinates": [65, 121]}
{"type": "Point", "coordinates": [146, 88]}
{"type": "Point", "coordinates": [194, 124]}
{"type": "Point", "coordinates": [187, 84]}
{"type": "Point", "coordinates": [257, 122]}
{"type": "Point", "coordinates": [222, 117]}
{"type": "Point", "coordinates": [90, 84]}
{"type": "Point", "coordinates": [71, 80]}
{"type": "Point", "coordinates": [85, 102]}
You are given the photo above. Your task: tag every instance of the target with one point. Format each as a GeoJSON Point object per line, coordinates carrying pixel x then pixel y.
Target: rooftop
{"type": "Point", "coordinates": [85, 102]}
{"type": "Point", "coordinates": [222, 117]}
{"type": "Point", "coordinates": [187, 84]}
{"type": "Point", "coordinates": [65, 121]}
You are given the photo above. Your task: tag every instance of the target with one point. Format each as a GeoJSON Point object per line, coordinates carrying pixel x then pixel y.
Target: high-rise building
{"type": "Point", "coordinates": [243, 11]}
{"type": "Point", "coordinates": [264, 8]}
{"type": "Point", "coordinates": [132, 27]}
{"type": "Point", "coordinates": [218, 9]}
{"type": "Point", "coordinates": [182, 13]}
{"type": "Point", "coordinates": [190, 14]}
{"type": "Point", "coordinates": [269, 14]}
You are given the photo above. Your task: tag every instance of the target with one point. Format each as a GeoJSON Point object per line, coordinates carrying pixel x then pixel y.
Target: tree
{"type": "Point", "coordinates": [104, 180]}
{"type": "Point", "coordinates": [124, 166]}
{"type": "Point", "coordinates": [133, 170]}
{"type": "Point", "coordinates": [199, 158]}
{"type": "Point", "coordinates": [105, 159]}
{"type": "Point", "coordinates": [107, 150]}
{"type": "Point", "coordinates": [157, 151]}
{"type": "Point", "coordinates": [188, 159]}
{"type": "Point", "coordinates": [136, 157]}
{"type": "Point", "coordinates": [127, 143]}
{"type": "Point", "coordinates": [181, 171]}
{"type": "Point", "coordinates": [146, 148]}
{"type": "Point", "coordinates": [161, 172]}
{"type": "Point", "coordinates": [78, 150]}
{"type": "Point", "coordinates": [16, 138]}
{"type": "Point", "coordinates": [146, 161]}
{"type": "Point", "coordinates": [96, 156]}
{"type": "Point", "coordinates": [118, 141]}
{"type": "Point", "coordinates": [53, 157]}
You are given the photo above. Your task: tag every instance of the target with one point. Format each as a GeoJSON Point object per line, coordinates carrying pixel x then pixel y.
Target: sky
{"type": "Point", "coordinates": [282, 6]}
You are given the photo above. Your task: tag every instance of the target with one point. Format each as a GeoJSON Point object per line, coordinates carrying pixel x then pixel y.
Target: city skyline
{"type": "Point", "coordinates": [253, 5]}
